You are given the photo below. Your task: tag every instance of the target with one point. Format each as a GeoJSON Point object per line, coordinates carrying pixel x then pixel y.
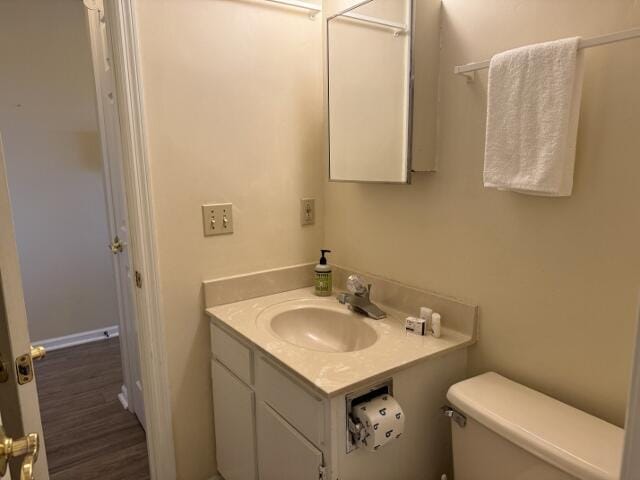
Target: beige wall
{"type": "Point", "coordinates": [48, 122]}
{"type": "Point", "coordinates": [233, 100]}
{"type": "Point", "coordinates": [556, 279]}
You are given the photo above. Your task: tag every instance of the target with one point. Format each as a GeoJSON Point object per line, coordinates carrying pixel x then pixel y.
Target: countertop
{"type": "Point", "coordinates": [332, 373]}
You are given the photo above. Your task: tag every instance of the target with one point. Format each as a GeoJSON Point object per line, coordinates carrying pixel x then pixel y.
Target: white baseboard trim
{"type": "Point", "coordinates": [51, 344]}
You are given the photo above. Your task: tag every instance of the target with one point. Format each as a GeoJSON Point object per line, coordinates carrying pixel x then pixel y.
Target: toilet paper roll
{"type": "Point", "coordinates": [382, 420]}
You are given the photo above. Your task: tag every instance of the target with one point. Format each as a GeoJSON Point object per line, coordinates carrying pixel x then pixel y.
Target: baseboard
{"type": "Point", "coordinates": [51, 344]}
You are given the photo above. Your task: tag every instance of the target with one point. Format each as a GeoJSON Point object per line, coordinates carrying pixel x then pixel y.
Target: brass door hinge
{"type": "Point", "coordinates": [138, 277]}
{"type": "Point", "coordinates": [116, 246]}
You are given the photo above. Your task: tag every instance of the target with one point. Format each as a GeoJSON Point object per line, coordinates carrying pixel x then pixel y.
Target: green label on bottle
{"type": "Point", "coordinates": [323, 284]}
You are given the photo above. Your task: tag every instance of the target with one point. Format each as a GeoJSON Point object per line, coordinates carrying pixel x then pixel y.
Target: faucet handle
{"type": "Point", "coordinates": [356, 285]}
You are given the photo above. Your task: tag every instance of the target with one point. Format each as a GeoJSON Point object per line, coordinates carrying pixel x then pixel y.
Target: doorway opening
{"type": "Point", "coordinates": [63, 153]}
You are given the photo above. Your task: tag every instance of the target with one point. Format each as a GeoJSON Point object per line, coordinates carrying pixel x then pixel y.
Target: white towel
{"type": "Point", "coordinates": [532, 118]}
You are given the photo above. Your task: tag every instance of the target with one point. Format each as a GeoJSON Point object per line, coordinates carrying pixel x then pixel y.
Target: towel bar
{"type": "Point", "coordinates": [469, 69]}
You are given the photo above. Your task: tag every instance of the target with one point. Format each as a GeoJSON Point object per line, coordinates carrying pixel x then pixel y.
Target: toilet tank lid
{"type": "Point", "coordinates": [582, 445]}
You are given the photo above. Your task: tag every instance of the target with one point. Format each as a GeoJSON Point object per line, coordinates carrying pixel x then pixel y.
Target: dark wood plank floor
{"type": "Point", "coordinates": [87, 433]}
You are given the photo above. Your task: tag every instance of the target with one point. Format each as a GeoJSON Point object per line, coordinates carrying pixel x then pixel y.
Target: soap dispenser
{"type": "Point", "coordinates": [323, 281]}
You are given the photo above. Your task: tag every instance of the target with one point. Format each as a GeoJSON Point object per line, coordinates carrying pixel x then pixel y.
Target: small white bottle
{"type": "Point", "coordinates": [436, 325]}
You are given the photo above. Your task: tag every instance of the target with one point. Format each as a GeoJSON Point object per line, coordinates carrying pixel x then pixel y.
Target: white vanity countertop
{"type": "Point", "coordinates": [328, 372]}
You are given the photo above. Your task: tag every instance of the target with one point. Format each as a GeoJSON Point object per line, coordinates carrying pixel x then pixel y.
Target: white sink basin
{"type": "Point", "coordinates": [319, 325]}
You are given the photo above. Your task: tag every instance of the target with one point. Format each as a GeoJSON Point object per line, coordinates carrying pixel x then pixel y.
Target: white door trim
{"type": "Point", "coordinates": [153, 356]}
{"type": "Point", "coordinates": [111, 145]}
{"type": "Point", "coordinates": [631, 458]}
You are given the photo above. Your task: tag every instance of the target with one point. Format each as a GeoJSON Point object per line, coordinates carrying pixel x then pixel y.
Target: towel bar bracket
{"type": "Point", "coordinates": [470, 76]}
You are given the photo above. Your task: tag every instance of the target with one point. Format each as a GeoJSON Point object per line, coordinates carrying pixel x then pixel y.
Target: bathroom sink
{"type": "Point", "coordinates": [319, 326]}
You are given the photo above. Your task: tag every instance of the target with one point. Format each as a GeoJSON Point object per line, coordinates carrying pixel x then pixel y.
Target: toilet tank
{"type": "Point", "coordinates": [515, 433]}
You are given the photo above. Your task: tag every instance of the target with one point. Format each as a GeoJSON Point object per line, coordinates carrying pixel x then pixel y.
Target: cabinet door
{"type": "Point", "coordinates": [282, 452]}
{"type": "Point", "coordinates": [233, 409]}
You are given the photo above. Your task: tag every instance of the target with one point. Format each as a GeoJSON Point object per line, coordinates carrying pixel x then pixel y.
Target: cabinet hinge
{"type": "Point", "coordinates": [322, 472]}
{"type": "Point", "coordinates": [138, 276]}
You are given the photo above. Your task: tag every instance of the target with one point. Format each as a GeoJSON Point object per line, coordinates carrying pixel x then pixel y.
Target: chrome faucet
{"type": "Point", "coordinates": [359, 299]}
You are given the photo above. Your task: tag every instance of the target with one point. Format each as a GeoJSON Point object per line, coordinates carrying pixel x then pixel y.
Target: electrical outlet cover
{"type": "Point", "coordinates": [307, 211]}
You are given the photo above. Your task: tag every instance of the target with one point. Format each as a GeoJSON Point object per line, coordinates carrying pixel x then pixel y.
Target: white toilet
{"type": "Point", "coordinates": [511, 432]}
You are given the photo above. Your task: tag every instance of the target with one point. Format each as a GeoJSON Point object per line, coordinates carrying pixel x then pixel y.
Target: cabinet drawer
{"type": "Point", "coordinates": [233, 410]}
{"type": "Point", "coordinates": [232, 354]}
{"type": "Point", "coordinates": [297, 405]}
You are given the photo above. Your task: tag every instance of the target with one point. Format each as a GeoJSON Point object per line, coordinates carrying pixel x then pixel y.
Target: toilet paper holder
{"type": "Point", "coordinates": [355, 430]}
{"type": "Point", "coordinates": [356, 433]}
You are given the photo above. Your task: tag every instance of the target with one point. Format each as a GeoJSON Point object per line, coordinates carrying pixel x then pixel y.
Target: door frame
{"type": "Point", "coordinates": [135, 164]}
{"type": "Point", "coordinates": [111, 147]}
{"type": "Point", "coordinates": [631, 457]}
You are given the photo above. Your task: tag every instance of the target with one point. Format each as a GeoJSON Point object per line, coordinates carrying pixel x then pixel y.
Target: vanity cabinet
{"type": "Point", "coordinates": [270, 424]}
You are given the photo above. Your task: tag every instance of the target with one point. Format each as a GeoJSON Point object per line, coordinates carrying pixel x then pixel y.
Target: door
{"type": "Point", "coordinates": [109, 127]}
{"type": "Point", "coordinates": [234, 425]}
{"type": "Point", "coordinates": [19, 406]}
{"type": "Point", "coordinates": [282, 451]}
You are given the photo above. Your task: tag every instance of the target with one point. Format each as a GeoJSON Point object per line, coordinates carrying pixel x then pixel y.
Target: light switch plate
{"type": "Point", "coordinates": [217, 219]}
{"type": "Point", "coordinates": [307, 211]}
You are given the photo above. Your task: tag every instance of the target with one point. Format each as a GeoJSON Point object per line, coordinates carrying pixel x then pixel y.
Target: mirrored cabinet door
{"type": "Point", "coordinates": [370, 88]}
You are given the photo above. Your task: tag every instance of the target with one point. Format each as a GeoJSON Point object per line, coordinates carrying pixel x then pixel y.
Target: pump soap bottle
{"type": "Point", "coordinates": [323, 281]}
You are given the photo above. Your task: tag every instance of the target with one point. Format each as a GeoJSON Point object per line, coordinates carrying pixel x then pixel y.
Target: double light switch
{"type": "Point", "coordinates": [217, 219]}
